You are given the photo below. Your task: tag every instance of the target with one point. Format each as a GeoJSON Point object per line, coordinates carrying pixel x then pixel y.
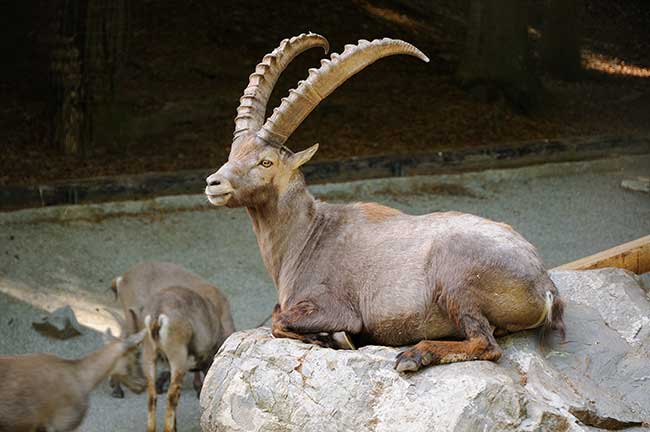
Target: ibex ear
{"type": "Point", "coordinates": [300, 158]}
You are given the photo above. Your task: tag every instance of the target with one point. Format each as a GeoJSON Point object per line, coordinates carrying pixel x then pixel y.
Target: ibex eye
{"type": "Point", "coordinates": [266, 163]}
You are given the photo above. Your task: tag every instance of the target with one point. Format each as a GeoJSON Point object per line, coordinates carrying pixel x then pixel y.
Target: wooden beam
{"type": "Point", "coordinates": [633, 256]}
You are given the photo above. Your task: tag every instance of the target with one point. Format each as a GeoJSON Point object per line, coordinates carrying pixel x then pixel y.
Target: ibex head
{"type": "Point", "coordinates": [255, 172]}
{"type": "Point", "coordinates": [260, 166]}
{"type": "Point", "coordinates": [127, 368]}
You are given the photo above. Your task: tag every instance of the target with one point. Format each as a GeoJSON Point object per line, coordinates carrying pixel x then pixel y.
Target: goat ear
{"type": "Point", "coordinates": [300, 158]}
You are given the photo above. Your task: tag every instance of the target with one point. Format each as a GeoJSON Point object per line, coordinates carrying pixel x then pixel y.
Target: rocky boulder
{"type": "Point", "coordinates": [599, 378]}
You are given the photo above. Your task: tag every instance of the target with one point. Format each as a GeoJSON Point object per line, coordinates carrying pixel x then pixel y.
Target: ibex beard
{"type": "Point", "coordinates": [373, 272]}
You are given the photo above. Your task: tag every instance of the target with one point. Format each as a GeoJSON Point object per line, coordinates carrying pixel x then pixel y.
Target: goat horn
{"type": "Point", "coordinates": [252, 105]}
{"type": "Point", "coordinates": [324, 80]}
{"type": "Point", "coordinates": [120, 321]}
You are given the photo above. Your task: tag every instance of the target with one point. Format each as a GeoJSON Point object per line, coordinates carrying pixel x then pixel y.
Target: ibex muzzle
{"type": "Point", "coordinates": [219, 189]}
{"type": "Point", "coordinates": [371, 271]}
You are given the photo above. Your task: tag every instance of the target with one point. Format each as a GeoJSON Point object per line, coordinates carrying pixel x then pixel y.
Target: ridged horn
{"type": "Point", "coordinates": [324, 80]}
{"type": "Point", "coordinates": [252, 105]}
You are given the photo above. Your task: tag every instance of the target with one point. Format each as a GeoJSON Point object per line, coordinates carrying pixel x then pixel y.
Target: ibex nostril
{"type": "Point", "coordinates": [214, 183]}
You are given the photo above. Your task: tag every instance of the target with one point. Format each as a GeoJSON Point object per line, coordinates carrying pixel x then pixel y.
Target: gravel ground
{"type": "Point", "coordinates": [68, 255]}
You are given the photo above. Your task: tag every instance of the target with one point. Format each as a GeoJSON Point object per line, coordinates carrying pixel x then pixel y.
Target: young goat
{"type": "Point", "coordinates": [185, 327]}
{"type": "Point", "coordinates": [42, 392]}
{"type": "Point", "coordinates": [378, 274]}
{"type": "Point", "coordinates": [137, 288]}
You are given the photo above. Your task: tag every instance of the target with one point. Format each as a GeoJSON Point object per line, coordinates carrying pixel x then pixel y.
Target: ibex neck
{"type": "Point", "coordinates": [281, 225]}
{"type": "Point", "coordinates": [96, 366]}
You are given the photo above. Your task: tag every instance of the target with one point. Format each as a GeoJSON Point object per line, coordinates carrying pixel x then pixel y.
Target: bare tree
{"type": "Point", "coordinates": [561, 39]}
{"type": "Point", "coordinates": [89, 49]}
{"type": "Point", "coordinates": [496, 51]}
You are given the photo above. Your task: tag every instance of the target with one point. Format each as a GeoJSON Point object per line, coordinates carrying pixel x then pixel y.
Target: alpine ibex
{"type": "Point", "coordinates": [43, 392]}
{"type": "Point", "coordinates": [380, 275]}
{"type": "Point", "coordinates": [136, 288]}
{"type": "Point", "coordinates": [187, 319]}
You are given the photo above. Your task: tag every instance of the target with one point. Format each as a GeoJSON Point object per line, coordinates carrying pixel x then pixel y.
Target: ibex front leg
{"type": "Point", "coordinates": [310, 323]}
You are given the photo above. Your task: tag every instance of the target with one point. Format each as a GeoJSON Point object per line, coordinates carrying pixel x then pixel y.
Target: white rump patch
{"type": "Point", "coordinates": [147, 325]}
{"type": "Point", "coordinates": [163, 321]}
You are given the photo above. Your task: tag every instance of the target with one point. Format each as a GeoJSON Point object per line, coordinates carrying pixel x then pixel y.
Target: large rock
{"type": "Point", "coordinates": [599, 378]}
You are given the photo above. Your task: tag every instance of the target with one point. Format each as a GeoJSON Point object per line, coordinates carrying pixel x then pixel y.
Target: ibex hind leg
{"type": "Point", "coordinates": [479, 344]}
{"type": "Point", "coordinates": [149, 356]}
{"type": "Point", "coordinates": [197, 383]}
{"type": "Point", "coordinates": [178, 361]}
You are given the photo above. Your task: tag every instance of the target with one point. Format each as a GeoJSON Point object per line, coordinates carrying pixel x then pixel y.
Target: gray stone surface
{"type": "Point", "coordinates": [60, 324]}
{"type": "Point", "coordinates": [599, 377]}
{"type": "Point", "coordinates": [639, 184]}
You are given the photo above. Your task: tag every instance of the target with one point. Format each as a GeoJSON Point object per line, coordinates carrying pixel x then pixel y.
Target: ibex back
{"type": "Point", "coordinates": [371, 271]}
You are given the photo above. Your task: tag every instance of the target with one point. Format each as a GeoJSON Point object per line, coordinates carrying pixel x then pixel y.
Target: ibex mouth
{"type": "Point", "coordinates": [217, 198]}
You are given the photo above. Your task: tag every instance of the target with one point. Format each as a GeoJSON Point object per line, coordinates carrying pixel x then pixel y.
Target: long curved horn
{"type": "Point", "coordinates": [324, 80]}
{"type": "Point", "coordinates": [252, 105]}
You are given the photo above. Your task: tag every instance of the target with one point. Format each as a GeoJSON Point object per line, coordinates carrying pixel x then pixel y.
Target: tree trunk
{"type": "Point", "coordinates": [496, 52]}
{"type": "Point", "coordinates": [67, 114]}
{"type": "Point", "coordinates": [88, 51]}
{"type": "Point", "coordinates": [105, 53]}
{"type": "Point", "coordinates": [561, 40]}
{"type": "Point", "coordinates": [66, 102]}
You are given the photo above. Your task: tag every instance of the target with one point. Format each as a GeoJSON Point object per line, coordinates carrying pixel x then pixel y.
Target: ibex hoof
{"type": "Point", "coordinates": [117, 392]}
{"type": "Point", "coordinates": [323, 340]}
{"type": "Point", "coordinates": [406, 365]}
{"type": "Point", "coordinates": [411, 360]}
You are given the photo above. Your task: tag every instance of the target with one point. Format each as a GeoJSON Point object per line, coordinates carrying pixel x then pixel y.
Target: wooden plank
{"type": "Point", "coordinates": [633, 256]}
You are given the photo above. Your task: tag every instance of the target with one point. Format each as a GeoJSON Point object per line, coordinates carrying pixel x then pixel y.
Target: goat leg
{"type": "Point", "coordinates": [149, 369]}
{"type": "Point", "coordinates": [306, 322]}
{"type": "Point", "coordinates": [178, 361]}
{"type": "Point", "coordinates": [427, 353]}
{"type": "Point", "coordinates": [280, 330]}
{"type": "Point", "coordinates": [480, 343]}
{"type": "Point", "coordinates": [197, 383]}
{"type": "Point", "coordinates": [173, 395]}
